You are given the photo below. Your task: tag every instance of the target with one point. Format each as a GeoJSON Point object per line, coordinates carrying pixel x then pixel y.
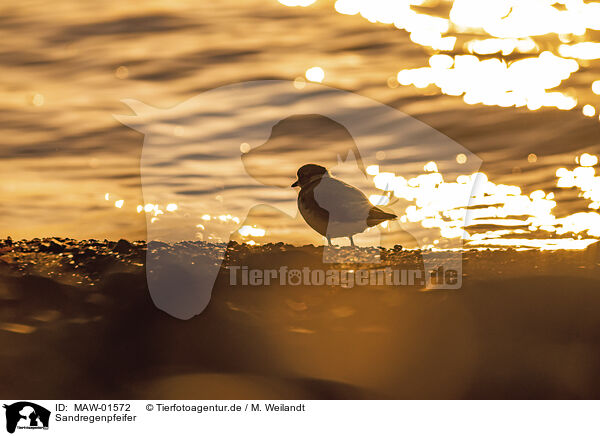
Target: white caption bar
{"type": "Point", "coordinates": [302, 417]}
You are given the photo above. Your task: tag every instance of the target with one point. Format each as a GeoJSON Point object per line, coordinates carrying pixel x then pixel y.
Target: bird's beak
{"type": "Point", "coordinates": [295, 184]}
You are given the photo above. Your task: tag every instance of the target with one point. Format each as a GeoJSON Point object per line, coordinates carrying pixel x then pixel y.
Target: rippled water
{"type": "Point", "coordinates": [512, 82]}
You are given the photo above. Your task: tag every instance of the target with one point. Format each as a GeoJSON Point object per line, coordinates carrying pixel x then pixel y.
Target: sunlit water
{"type": "Point", "coordinates": [509, 53]}
{"type": "Point", "coordinates": [516, 82]}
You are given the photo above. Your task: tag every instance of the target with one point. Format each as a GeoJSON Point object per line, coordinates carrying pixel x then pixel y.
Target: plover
{"type": "Point", "coordinates": [333, 208]}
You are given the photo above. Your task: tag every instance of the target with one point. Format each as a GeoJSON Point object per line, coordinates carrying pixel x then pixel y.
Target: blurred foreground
{"type": "Point", "coordinates": [77, 321]}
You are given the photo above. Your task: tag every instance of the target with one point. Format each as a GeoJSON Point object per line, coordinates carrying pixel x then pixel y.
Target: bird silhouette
{"type": "Point", "coordinates": [334, 208]}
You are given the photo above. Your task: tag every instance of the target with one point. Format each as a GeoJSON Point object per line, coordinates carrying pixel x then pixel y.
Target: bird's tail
{"type": "Point", "coordinates": [377, 216]}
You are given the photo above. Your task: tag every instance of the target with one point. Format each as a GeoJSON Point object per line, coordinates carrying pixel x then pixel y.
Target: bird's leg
{"type": "Point", "coordinates": [329, 241]}
{"type": "Point", "coordinates": [352, 241]}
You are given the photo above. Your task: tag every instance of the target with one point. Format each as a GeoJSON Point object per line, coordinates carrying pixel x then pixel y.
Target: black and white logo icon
{"type": "Point", "coordinates": [26, 415]}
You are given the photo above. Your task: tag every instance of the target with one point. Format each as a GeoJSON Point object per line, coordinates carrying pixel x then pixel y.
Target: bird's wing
{"type": "Point", "coordinates": [344, 202]}
{"type": "Point", "coordinates": [377, 216]}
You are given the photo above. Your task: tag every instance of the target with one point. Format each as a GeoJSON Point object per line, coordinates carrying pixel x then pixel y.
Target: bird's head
{"type": "Point", "coordinates": [308, 173]}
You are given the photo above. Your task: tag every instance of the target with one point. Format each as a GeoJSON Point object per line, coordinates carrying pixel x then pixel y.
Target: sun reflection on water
{"type": "Point", "coordinates": [462, 208]}
{"type": "Point", "coordinates": [535, 45]}
{"type": "Point", "coordinates": [494, 82]}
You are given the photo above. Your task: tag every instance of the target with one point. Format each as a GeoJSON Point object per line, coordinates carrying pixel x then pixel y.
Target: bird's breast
{"type": "Point", "coordinates": [313, 214]}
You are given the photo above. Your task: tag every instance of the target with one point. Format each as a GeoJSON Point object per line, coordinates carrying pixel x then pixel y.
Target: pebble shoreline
{"type": "Point", "coordinates": [85, 262]}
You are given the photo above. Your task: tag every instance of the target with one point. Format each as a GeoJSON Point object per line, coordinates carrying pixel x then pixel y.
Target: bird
{"type": "Point", "coordinates": [334, 208]}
